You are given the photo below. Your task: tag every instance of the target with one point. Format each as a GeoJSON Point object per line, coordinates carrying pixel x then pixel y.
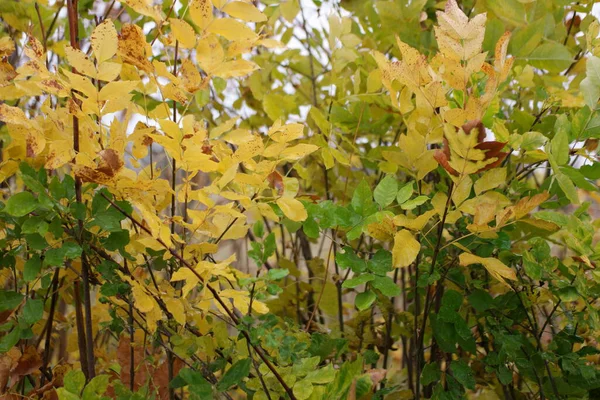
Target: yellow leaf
{"type": "Point", "coordinates": [142, 300]}
{"type": "Point", "coordinates": [495, 267]}
{"type": "Point", "coordinates": [201, 12]}
{"type": "Point", "coordinates": [132, 47]}
{"type": "Point", "coordinates": [414, 224]}
{"type": "Point", "coordinates": [117, 90]}
{"type": "Point", "coordinates": [183, 32]}
{"type": "Point", "coordinates": [175, 307]}
{"type": "Point", "coordinates": [286, 133]}
{"type": "Point", "coordinates": [259, 307]}
{"type": "Point", "coordinates": [462, 190]}
{"type": "Point", "coordinates": [104, 41]}
{"type": "Point", "coordinates": [528, 204]}
{"type": "Point", "coordinates": [187, 275]}
{"type": "Point", "coordinates": [231, 29]}
{"type": "Point", "coordinates": [235, 68]}
{"type": "Point", "coordinates": [244, 11]}
{"type": "Point", "coordinates": [108, 71]}
{"type": "Point", "coordinates": [145, 7]}
{"type": "Point", "coordinates": [7, 46]}
{"type": "Point", "coordinates": [292, 208]}
{"type": "Point", "coordinates": [13, 115]}
{"type": "Point", "coordinates": [406, 248]}
{"type": "Point", "coordinates": [190, 76]}
{"type": "Point", "coordinates": [80, 61]}
{"type": "Point", "coordinates": [298, 151]}
{"type": "Point", "coordinates": [490, 180]}
{"type": "Point", "coordinates": [209, 53]}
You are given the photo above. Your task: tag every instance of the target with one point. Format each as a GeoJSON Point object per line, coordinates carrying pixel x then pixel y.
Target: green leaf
{"type": "Point", "coordinates": [381, 262]}
{"type": "Point", "coordinates": [463, 374]}
{"type": "Point", "coordinates": [349, 259]}
{"type": "Point", "coordinates": [481, 300]}
{"type": "Point", "coordinates": [590, 86]}
{"type": "Point", "coordinates": [235, 374]}
{"type": "Point", "coordinates": [321, 376]}
{"type": "Point", "coordinates": [276, 274]}
{"type": "Point", "coordinates": [54, 257]}
{"type": "Point", "coordinates": [270, 246]}
{"type": "Point", "coordinates": [414, 203]}
{"type": "Point", "coordinates": [96, 387]}
{"type": "Point", "coordinates": [551, 56]}
{"type": "Point", "coordinates": [9, 340]}
{"type": "Point", "coordinates": [510, 11]}
{"type": "Point", "coordinates": [430, 374]}
{"type": "Point", "coordinates": [32, 268]}
{"type": "Point", "coordinates": [386, 286]}
{"type": "Point", "coordinates": [364, 300]}
{"type": "Point", "coordinates": [559, 145]}
{"type": "Point", "coordinates": [362, 199]}
{"type": "Point", "coordinates": [524, 40]}
{"type": "Point", "coordinates": [303, 389]}
{"type": "Point", "coordinates": [74, 381]}
{"type": "Point", "coordinates": [567, 187]}
{"type": "Point", "coordinates": [33, 311]}
{"type": "Point", "coordinates": [9, 300]}
{"type": "Point", "coordinates": [405, 192]}
{"type": "Point", "coordinates": [385, 192]}
{"type": "Point", "coordinates": [21, 204]}
{"type": "Point", "coordinates": [358, 280]}
{"type": "Point", "coordinates": [198, 385]}
{"type": "Point", "coordinates": [71, 250]}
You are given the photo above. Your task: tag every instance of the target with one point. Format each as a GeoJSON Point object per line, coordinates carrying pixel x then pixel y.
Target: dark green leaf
{"type": "Point", "coordinates": [235, 374]}
{"type": "Point", "coordinates": [33, 311]}
{"type": "Point", "coordinates": [463, 374]}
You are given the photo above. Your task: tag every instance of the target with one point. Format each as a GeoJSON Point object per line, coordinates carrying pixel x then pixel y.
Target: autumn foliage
{"type": "Point", "coordinates": [299, 199]}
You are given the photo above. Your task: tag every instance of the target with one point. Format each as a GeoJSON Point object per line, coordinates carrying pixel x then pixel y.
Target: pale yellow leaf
{"type": "Point", "coordinates": [175, 307]}
{"type": "Point", "coordinates": [406, 249]}
{"type": "Point", "coordinates": [235, 68]}
{"type": "Point", "coordinates": [109, 71]}
{"type": "Point", "coordinates": [244, 11]}
{"type": "Point", "coordinates": [116, 90]}
{"type": "Point", "coordinates": [231, 29]}
{"type": "Point", "coordinates": [462, 190]}
{"type": "Point", "coordinates": [209, 53]}
{"type": "Point", "coordinates": [183, 32]}
{"type": "Point", "coordinates": [292, 208]}
{"type": "Point", "coordinates": [104, 41]}
{"type": "Point", "coordinates": [80, 61]}
{"type": "Point", "coordinates": [145, 7]}
{"type": "Point", "coordinates": [298, 151]}
{"type": "Point", "coordinates": [201, 12]}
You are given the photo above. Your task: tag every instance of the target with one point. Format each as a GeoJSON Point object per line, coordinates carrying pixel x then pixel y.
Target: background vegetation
{"type": "Point", "coordinates": [299, 199]}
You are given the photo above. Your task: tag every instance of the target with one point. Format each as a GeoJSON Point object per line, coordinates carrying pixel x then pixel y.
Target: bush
{"type": "Point", "coordinates": [299, 199]}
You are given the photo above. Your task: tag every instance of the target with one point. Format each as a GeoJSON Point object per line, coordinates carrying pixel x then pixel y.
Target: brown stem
{"type": "Point", "coordinates": [46, 357]}
{"type": "Point", "coordinates": [85, 268]}
{"type": "Point", "coordinates": [80, 331]}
